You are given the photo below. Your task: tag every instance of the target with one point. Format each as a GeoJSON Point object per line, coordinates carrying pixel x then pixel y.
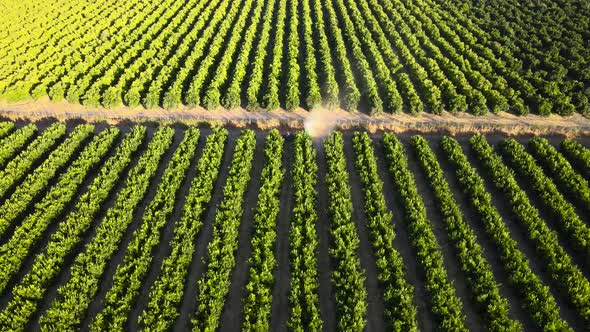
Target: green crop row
{"type": "Point", "coordinates": [348, 276]}
{"type": "Point", "coordinates": [32, 288]}
{"type": "Point", "coordinates": [258, 298]}
{"type": "Point", "coordinates": [69, 307]}
{"type": "Point", "coordinates": [446, 306]}
{"type": "Point", "coordinates": [566, 275]}
{"type": "Point", "coordinates": [398, 293]}
{"type": "Point", "coordinates": [131, 272]}
{"type": "Point", "coordinates": [166, 292]}
{"type": "Point", "coordinates": [213, 286]}
{"type": "Point", "coordinates": [303, 239]}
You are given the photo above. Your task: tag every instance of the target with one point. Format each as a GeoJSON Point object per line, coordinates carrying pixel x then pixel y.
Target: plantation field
{"type": "Point", "coordinates": [375, 56]}
{"type": "Point", "coordinates": [152, 227]}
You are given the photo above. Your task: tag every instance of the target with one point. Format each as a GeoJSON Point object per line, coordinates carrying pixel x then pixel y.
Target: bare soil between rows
{"type": "Point", "coordinates": [233, 316]}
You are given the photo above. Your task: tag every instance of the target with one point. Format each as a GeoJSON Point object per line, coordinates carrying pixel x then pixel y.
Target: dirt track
{"type": "Point", "coordinates": [317, 121]}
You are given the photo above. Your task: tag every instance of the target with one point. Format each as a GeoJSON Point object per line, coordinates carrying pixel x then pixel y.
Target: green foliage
{"type": "Point", "coordinates": [398, 293]}
{"type": "Point", "coordinates": [31, 228]}
{"type": "Point", "coordinates": [198, 80]}
{"type": "Point", "coordinates": [68, 309]}
{"type": "Point", "coordinates": [348, 276]}
{"type": "Point", "coordinates": [578, 155]}
{"type": "Point", "coordinates": [35, 182]}
{"type": "Point", "coordinates": [537, 299]}
{"type": "Point", "coordinates": [270, 99]}
{"type": "Point", "coordinates": [166, 293]}
{"type": "Point", "coordinates": [258, 297]}
{"type": "Point", "coordinates": [563, 212]}
{"type": "Point", "coordinates": [485, 289]}
{"type": "Point", "coordinates": [54, 193]}
{"type": "Point", "coordinates": [383, 56]}
{"type": "Point", "coordinates": [10, 145]}
{"type": "Point", "coordinates": [213, 286]}
{"type": "Point", "coordinates": [303, 239]}
{"type": "Point", "coordinates": [31, 289]}
{"type": "Point", "coordinates": [5, 128]}
{"type": "Point", "coordinates": [138, 255]}
{"type": "Point", "coordinates": [563, 271]}
{"type": "Point", "coordinates": [445, 304]}
{"type": "Point", "coordinates": [561, 170]}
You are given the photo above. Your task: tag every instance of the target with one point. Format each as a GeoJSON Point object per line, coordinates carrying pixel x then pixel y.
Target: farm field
{"type": "Point", "coordinates": [373, 56]}
{"type": "Point", "coordinates": [175, 227]}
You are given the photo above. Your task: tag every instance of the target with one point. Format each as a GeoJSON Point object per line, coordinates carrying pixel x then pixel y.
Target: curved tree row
{"type": "Point", "coordinates": [415, 57]}
{"type": "Point", "coordinates": [258, 297]}
{"type": "Point", "coordinates": [461, 55]}
{"type": "Point", "coordinates": [166, 292]}
{"type": "Point", "coordinates": [445, 304]}
{"type": "Point", "coordinates": [61, 75]}
{"type": "Point", "coordinates": [536, 297]}
{"type": "Point", "coordinates": [69, 307]}
{"type": "Point", "coordinates": [38, 180]}
{"type": "Point", "coordinates": [138, 254]}
{"type": "Point", "coordinates": [32, 288]}
{"type": "Point", "coordinates": [398, 293]}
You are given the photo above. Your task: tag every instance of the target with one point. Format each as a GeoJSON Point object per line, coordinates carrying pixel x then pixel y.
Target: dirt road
{"type": "Point", "coordinates": [318, 122]}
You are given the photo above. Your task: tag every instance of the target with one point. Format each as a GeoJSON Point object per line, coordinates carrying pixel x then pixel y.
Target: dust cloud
{"type": "Point", "coordinates": [320, 123]}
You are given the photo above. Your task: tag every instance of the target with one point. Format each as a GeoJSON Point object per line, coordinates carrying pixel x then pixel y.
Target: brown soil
{"type": "Point", "coordinates": [166, 236]}
{"type": "Point", "coordinates": [327, 295]}
{"type": "Point", "coordinates": [197, 267]}
{"type": "Point", "coordinates": [519, 233]}
{"type": "Point", "coordinates": [231, 318]}
{"type": "Point", "coordinates": [280, 294]}
{"type": "Point", "coordinates": [106, 282]}
{"type": "Point", "coordinates": [375, 304]}
{"type": "Point", "coordinates": [319, 121]}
